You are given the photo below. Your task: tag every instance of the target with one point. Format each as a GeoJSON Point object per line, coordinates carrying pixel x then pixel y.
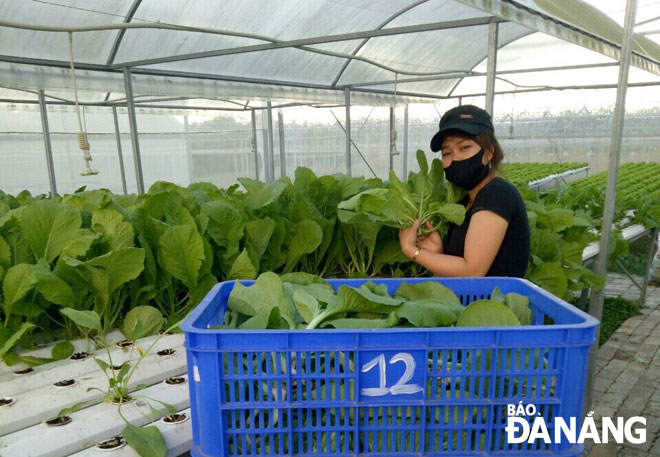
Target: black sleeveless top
{"type": "Point", "coordinates": [502, 198]}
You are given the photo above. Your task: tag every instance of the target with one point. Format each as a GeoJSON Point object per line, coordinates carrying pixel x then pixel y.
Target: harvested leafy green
{"type": "Point", "coordinates": [487, 313]}
{"type": "Point", "coordinates": [259, 301]}
{"type": "Point", "coordinates": [304, 301]}
{"type": "Point", "coordinates": [426, 290]}
{"type": "Point", "coordinates": [519, 304]}
{"type": "Point", "coordinates": [425, 196]}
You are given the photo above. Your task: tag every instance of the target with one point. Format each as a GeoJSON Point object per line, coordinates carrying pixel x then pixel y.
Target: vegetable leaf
{"type": "Point", "coordinates": [242, 267]}
{"type": "Point", "coordinates": [111, 224]}
{"type": "Point", "coordinates": [487, 313]}
{"type": "Point", "coordinates": [87, 319]}
{"type": "Point", "coordinates": [519, 304]}
{"type": "Point", "coordinates": [147, 441]}
{"type": "Point", "coordinates": [15, 337]}
{"type": "Point", "coordinates": [430, 313]}
{"type": "Point", "coordinates": [181, 253]}
{"type": "Point", "coordinates": [305, 237]}
{"type": "Point", "coordinates": [426, 290]}
{"type": "Point", "coordinates": [551, 277]}
{"type": "Point", "coordinates": [141, 321]}
{"type": "Point", "coordinates": [48, 226]}
{"type": "Point", "coordinates": [62, 350]}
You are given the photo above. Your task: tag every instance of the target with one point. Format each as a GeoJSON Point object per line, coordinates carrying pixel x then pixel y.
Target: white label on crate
{"type": "Point", "coordinates": [401, 386]}
{"type": "Point", "coordinates": [196, 373]}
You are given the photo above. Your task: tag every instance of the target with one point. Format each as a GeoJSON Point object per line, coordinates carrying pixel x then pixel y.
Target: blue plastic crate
{"type": "Point", "coordinates": [394, 392]}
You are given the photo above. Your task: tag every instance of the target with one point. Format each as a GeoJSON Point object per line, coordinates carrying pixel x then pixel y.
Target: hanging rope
{"type": "Point", "coordinates": [393, 132]}
{"type": "Point", "coordinates": [83, 144]}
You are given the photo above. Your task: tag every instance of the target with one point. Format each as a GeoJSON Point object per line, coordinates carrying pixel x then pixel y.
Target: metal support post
{"type": "Point", "coordinates": [347, 102]}
{"type": "Point", "coordinates": [120, 154]}
{"type": "Point", "coordinates": [597, 297]}
{"type": "Point", "coordinates": [271, 146]}
{"type": "Point", "coordinates": [405, 142]}
{"type": "Point", "coordinates": [264, 131]}
{"type": "Point", "coordinates": [584, 298]}
{"type": "Point", "coordinates": [492, 66]}
{"type": "Point", "coordinates": [653, 233]}
{"type": "Point", "coordinates": [392, 140]}
{"type": "Point", "coordinates": [254, 144]}
{"type": "Point", "coordinates": [280, 130]}
{"type": "Point", "coordinates": [186, 132]}
{"type": "Point", "coordinates": [132, 122]}
{"type": "Point", "coordinates": [47, 146]}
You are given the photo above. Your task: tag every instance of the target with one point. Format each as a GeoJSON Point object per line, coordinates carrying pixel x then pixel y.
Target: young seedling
{"type": "Point", "coordinates": [140, 322]}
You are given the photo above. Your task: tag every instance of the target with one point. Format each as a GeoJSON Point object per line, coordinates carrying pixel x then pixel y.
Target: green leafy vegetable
{"type": "Point", "coordinates": [147, 441]}
{"type": "Point", "coordinates": [487, 313]}
{"type": "Point", "coordinates": [519, 304]}
{"type": "Point", "coordinates": [62, 350]}
{"type": "Point", "coordinates": [141, 321]}
{"type": "Point", "coordinates": [87, 319]}
{"type": "Point", "coordinates": [428, 290]}
{"type": "Point", "coordinates": [424, 196]}
{"type": "Point", "coordinates": [430, 313]}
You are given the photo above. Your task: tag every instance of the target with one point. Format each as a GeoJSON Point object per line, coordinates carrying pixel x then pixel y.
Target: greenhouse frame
{"type": "Point", "coordinates": [255, 59]}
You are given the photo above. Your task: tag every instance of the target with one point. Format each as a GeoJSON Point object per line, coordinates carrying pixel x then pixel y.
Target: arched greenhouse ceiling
{"type": "Point", "coordinates": [446, 40]}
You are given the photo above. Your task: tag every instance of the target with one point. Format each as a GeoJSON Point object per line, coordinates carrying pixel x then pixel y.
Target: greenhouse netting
{"type": "Point", "coordinates": [191, 67]}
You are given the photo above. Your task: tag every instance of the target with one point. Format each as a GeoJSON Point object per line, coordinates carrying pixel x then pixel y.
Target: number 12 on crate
{"type": "Point", "coordinates": [387, 374]}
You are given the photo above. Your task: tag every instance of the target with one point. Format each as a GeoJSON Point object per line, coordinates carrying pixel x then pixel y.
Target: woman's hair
{"type": "Point", "coordinates": [487, 141]}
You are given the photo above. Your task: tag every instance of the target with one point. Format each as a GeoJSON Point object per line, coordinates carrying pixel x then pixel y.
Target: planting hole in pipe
{"type": "Point", "coordinates": [58, 421]}
{"type": "Point", "coordinates": [6, 401]}
{"type": "Point", "coordinates": [124, 343]}
{"type": "Point", "coordinates": [24, 371]}
{"type": "Point", "coordinates": [165, 352]}
{"type": "Point", "coordinates": [117, 400]}
{"type": "Point", "coordinates": [80, 356]}
{"type": "Point", "coordinates": [175, 418]}
{"type": "Point", "coordinates": [175, 381]}
{"type": "Point", "coordinates": [65, 383]}
{"type": "Point", "coordinates": [111, 444]}
{"type": "Point", "coordinates": [118, 367]}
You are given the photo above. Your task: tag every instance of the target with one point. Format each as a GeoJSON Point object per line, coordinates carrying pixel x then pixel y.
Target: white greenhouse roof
{"type": "Point", "coordinates": [287, 49]}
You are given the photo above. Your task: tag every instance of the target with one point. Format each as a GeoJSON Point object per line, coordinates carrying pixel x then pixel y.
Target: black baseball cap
{"type": "Point", "coordinates": [466, 118]}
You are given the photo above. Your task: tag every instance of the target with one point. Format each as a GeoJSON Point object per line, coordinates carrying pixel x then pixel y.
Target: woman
{"type": "Point", "coordinates": [494, 238]}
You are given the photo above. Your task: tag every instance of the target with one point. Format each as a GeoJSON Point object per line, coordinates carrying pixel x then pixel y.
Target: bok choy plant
{"type": "Point", "coordinates": [425, 196]}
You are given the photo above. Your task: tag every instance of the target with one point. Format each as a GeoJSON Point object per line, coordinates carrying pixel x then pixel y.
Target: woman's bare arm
{"type": "Point", "coordinates": [482, 242]}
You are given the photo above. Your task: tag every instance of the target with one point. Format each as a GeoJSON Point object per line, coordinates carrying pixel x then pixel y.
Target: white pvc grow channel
{"type": "Point", "coordinates": [91, 425]}
{"type": "Point", "coordinates": [45, 351]}
{"type": "Point", "coordinates": [33, 398]}
{"type": "Point", "coordinates": [45, 375]}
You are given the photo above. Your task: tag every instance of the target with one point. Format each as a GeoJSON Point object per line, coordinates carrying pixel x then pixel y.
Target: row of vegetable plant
{"type": "Point", "coordinates": [106, 253]}
{"type": "Point", "coordinates": [638, 190]}
{"type": "Point", "coordinates": [521, 173]}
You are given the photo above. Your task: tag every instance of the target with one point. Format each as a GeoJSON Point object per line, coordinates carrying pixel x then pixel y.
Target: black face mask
{"type": "Point", "coordinates": [469, 172]}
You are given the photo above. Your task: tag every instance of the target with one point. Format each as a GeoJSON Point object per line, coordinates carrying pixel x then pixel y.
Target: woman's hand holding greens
{"type": "Point", "coordinates": [408, 239]}
{"type": "Point", "coordinates": [431, 242]}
